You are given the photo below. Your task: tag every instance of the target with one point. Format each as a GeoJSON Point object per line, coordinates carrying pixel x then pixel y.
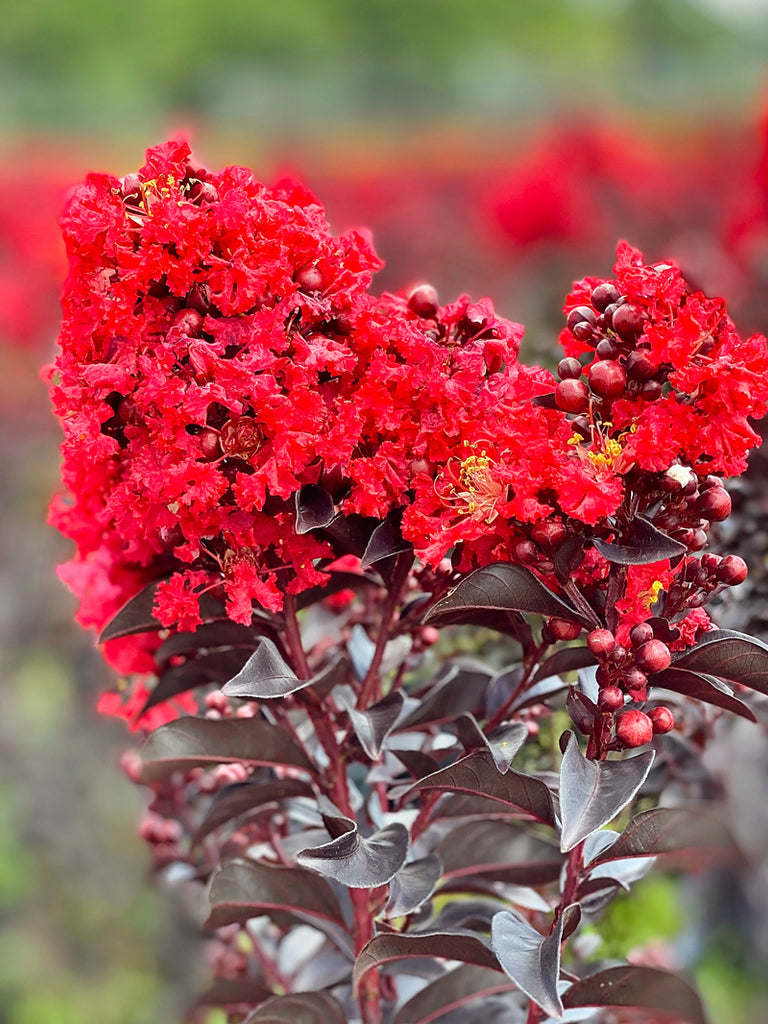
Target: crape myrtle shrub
{"type": "Point", "coordinates": [284, 489]}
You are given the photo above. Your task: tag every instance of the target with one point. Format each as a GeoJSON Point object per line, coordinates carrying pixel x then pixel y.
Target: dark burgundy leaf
{"type": "Point", "coordinates": [209, 636]}
{"type": "Point", "coordinates": [645, 544]}
{"type": "Point", "coordinates": [530, 959]}
{"type": "Point", "coordinates": [662, 630]}
{"type": "Point", "coordinates": [453, 990]}
{"type": "Point", "coordinates": [641, 988]}
{"type": "Point", "coordinates": [539, 693]}
{"type": "Point", "coordinates": [416, 762]}
{"type": "Point", "coordinates": [243, 889]}
{"type": "Point", "coordinates": [357, 862]}
{"type": "Point", "coordinates": [729, 655]}
{"type": "Point", "coordinates": [385, 542]}
{"type": "Point", "coordinates": [668, 829]}
{"type": "Point", "coordinates": [299, 1008]}
{"type": "Point", "coordinates": [314, 508]}
{"type": "Point", "coordinates": [244, 797]}
{"type": "Point", "coordinates": [498, 849]}
{"type": "Point", "coordinates": [374, 725]}
{"type": "Point", "coordinates": [566, 660]}
{"type": "Point", "coordinates": [500, 587]}
{"type": "Point", "coordinates": [582, 710]}
{"type": "Point", "coordinates": [349, 535]}
{"type": "Point", "coordinates": [458, 688]}
{"type": "Point", "coordinates": [707, 689]}
{"type": "Point", "coordinates": [413, 885]}
{"type": "Point", "coordinates": [382, 949]}
{"type": "Point", "coordinates": [215, 667]}
{"type": "Point", "coordinates": [465, 914]}
{"type": "Point", "coordinates": [477, 774]}
{"type": "Point", "coordinates": [593, 792]}
{"type": "Point", "coordinates": [567, 557]}
{"type": "Point", "coordinates": [201, 742]}
{"type": "Point", "coordinates": [502, 743]}
{"type": "Point", "coordinates": [264, 674]}
{"type": "Point", "coordinates": [545, 401]}
{"type": "Point", "coordinates": [571, 920]}
{"type": "Point", "coordinates": [228, 991]}
{"type": "Point", "coordinates": [595, 894]}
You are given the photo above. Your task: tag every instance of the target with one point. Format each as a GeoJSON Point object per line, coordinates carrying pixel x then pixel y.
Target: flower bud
{"type": "Point", "coordinates": [572, 396]}
{"type": "Point", "coordinates": [611, 698]}
{"type": "Point", "coordinates": [731, 571]}
{"type": "Point", "coordinates": [569, 368]}
{"type": "Point", "coordinates": [628, 322]}
{"type": "Point", "coordinates": [714, 504]}
{"type": "Point", "coordinates": [607, 379]}
{"type": "Point", "coordinates": [662, 720]}
{"type": "Point", "coordinates": [309, 279]}
{"type": "Point", "coordinates": [641, 634]}
{"type": "Point", "coordinates": [633, 728]}
{"type": "Point", "coordinates": [563, 629]}
{"type": "Point", "coordinates": [422, 300]}
{"type": "Point", "coordinates": [601, 642]}
{"type": "Point", "coordinates": [653, 656]}
{"type": "Point", "coordinates": [605, 294]}
{"type": "Point", "coordinates": [581, 315]}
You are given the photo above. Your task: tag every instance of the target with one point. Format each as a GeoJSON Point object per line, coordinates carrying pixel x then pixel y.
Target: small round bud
{"type": "Point", "coordinates": [641, 634]}
{"type": "Point", "coordinates": [650, 391]}
{"type": "Point", "coordinates": [526, 552]}
{"type": "Point", "coordinates": [604, 294]}
{"type": "Point", "coordinates": [640, 365]}
{"type": "Point", "coordinates": [653, 656]}
{"type": "Point", "coordinates": [607, 349]}
{"type": "Point", "coordinates": [633, 728]}
{"type": "Point", "coordinates": [714, 504]}
{"type": "Point", "coordinates": [423, 301]}
{"type": "Point", "coordinates": [569, 368]}
{"type": "Point", "coordinates": [563, 629]}
{"type": "Point", "coordinates": [610, 699]}
{"type": "Point", "coordinates": [583, 332]}
{"type": "Point", "coordinates": [698, 540]}
{"type": "Point", "coordinates": [662, 720]}
{"type": "Point", "coordinates": [188, 322]}
{"type": "Point", "coordinates": [572, 396]}
{"type": "Point", "coordinates": [607, 379]}
{"type": "Point", "coordinates": [309, 279]}
{"type": "Point", "coordinates": [618, 655]}
{"type": "Point", "coordinates": [636, 682]}
{"type": "Point", "coordinates": [548, 533]}
{"type": "Point", "coordinates": [731, 571]}
{"type": "Point", "coordinates": [581, 315]}
{"type": "Point", "coordinates": [628, 322]}
{"type": "Point", "coordinates": [601, 642]}
{"type": "Point", "coordinates": [209, 442]}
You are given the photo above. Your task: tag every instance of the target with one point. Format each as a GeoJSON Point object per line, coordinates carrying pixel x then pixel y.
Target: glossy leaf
{"type": "Point", "coordinates": [565, 660]}
{"type": "Point", "coordinates": [707, 689]}
{"type": "Point", "coordinates": [374, 725]}
{"type": "Point", "coordinates": [530, 959]}
{"type": "Point", "coordinates": [669, 829]}
{"type": "Point", "coordinates": [498, 849]}
{"type": "Point", "coordinates": [385, 542]}
{"type": "Point", "coordinates": [357, 862]}
{"type": "Point", "coordinates": [455, 989]}
{"type": "Point", "coordinates": [299, 1008]}
{"type": "Point", "coordinates": [413, 885]}
{"type": "Point", "coordinates": [243, 797]}
{"type": "Point", "coordinates": [593, 792]}
{"type": "Point", "coordinates": [729, 655]}
{"type": "Point", "coordinates": [477, 774]}
{"type": "Point", "coordinates": [201, 742]}
{"type": "Point", "coordinates": [243, 889]}
{"type": "Point", "coordinates": [136, 615]}
{"type": "Point", "coordinates": [500, 587]}
{"type": "Point", "coordinates": [639, 988]}
{"type": "Point", "coordinates": [314, 508]}
{"type": "Point", "coordinates": [267, 675]}
{"type": "Point", "coordinates": [645, 544]}
{"type": "Point", "coordinates": [458, 688]}
{"type": "Point", "coordinates": [209, 636]}
{"type": "Point", "coordinates": [382, 949]}
{"type": "Point", "coordinates": [349, 534]}
{"type": "Point", "coordinates": [502, 743]}
{"type": "Point", "coordinates": [214, 668]}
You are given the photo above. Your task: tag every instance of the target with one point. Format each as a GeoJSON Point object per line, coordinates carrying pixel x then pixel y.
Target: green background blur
{"type": "Point", "coordinates": [88, 84]}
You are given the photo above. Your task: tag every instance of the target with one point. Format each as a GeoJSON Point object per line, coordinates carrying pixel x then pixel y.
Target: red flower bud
{"type": "Point", "coordinates": [569, 368]}
{"type": "Point", "coordinates": [581, 315]}
{"type": "Point", "coordinates": [662, 720]}
{"type": "Point", "coordinates": [611, 698]}
{"type": "Point", "coordinates": [572, 396]}
{"type": "Point", "coordinates": [423, 301]}
{"type": "Point", "coordinates": [601, 642]}
{"type": "Point", "coordinates": [641, 634]}
{"type": "Point", "coordinates": [605, 294]}
{"type": "Point", "coordinates": [633, 728]}
{"type": "Point", "coordinates": [653, 656]}
{"type": "Point", "coordinates": [714, 504]}
{"type": "Point", "coordinates": [731, 571]}
{"type": "Point", "coordinates": [607, 379]}
{"type": "Point", "coordinates": [309, 279]}
{"type": "Point", "coordinates": [563, 629]}
{"type": "Point", "coordinates": [628, 322]}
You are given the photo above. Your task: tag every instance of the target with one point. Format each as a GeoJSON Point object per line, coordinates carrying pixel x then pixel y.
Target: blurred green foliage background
{"type": "Point", "coordinates": [82, 938]}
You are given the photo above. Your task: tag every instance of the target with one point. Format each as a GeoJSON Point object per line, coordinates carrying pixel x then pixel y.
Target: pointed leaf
{"type": "Point", "coordinates": [201, 742]}
{"type": "Point", "coordinates": [639, 988]}
{"type": "Point", "coordinates": [593, 792]}
{"type": "Point", "coordinates": [707, 689]}
{"type": "Point", "coordinates": [477, 774]}
{"type": "Point", "coordinates": [670, 829]}
{"type": "Point", "coordinates": [385, 541]}
{"type": "Point", "coordinates": [729, 655]}
{"type": "Point", "coordinates": [210, 636]}
{"type": "Point", "coordinates": [357, 862]}
{"type": "Point", "coordinates": [382, 949]}
{"type": "Point", "coordinates": [374, 725]}
{"type": "Point", "coordinates": [314, 508]}
{"type": "Point", "coordinates": [566, 660]}
{"type": "Point", "coordinates": [500, 587]}
{"type": "Point", "coordinates": [299, 1008]}
{"type": "Point", "coordinates": [498, 849]}
{"type": "Point", "coordinates": [243, 889]}
{"type": "Point", "coordinates": [264, 675]}
{"type": "Point", "coordinates": [539, 693]}
{"type": "Point", "coordinates": [453, 990]}
{"type": "Point", "coordinates": [216, 667]}
{"type": "Point", "coordinates": [502, 743]}
{"type": "Point", "coordinates": [349, 534]}
{"type": "Point", "coordinates": [243, 797]}
{"type": "Point", "coordinates": [645, 544]}
{"type": "Point", "coordinates": [413, 885]}
{"type": "Point", "coordinates": [530, 959]}
{"type": "Point", "coordinates": [459, 687]}
{"type": "Point", "coordinates": [136, 616]}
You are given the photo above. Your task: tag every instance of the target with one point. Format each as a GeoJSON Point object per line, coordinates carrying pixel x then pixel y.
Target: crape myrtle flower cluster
{"type": "Point", "coordinates": [221, 350]}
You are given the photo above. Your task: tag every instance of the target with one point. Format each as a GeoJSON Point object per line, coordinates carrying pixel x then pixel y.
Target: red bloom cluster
{"type": "Point", "coordinates": [221, 349]}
